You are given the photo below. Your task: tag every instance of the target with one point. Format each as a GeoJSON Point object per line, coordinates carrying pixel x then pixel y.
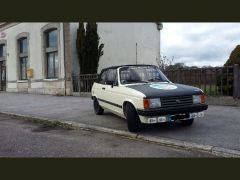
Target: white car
{"type": "Point", "coordinates": [143, 94]}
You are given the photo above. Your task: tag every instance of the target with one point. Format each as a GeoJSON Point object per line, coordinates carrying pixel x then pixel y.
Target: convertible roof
{"type": "Point", "coordinates": [115, 67]}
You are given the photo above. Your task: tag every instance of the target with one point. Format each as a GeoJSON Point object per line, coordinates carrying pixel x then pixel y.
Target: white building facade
{"type": "Point", "coordinates": [42, 57]}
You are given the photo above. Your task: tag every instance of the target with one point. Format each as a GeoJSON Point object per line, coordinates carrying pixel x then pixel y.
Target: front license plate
{"type": "Point", "coordinates": [162, 119]}
{"type": "Point", "coordinates": [193, 115]}
{"type": "Point", "coordinates": [196, 115]}
{"type": "Point", "coordinates": [152, 120]}
{"type": "Point", "coordinates": [201, 114]}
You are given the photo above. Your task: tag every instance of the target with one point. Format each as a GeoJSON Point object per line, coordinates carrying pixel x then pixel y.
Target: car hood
{"type": "Point", "coordinates": [153, 90]}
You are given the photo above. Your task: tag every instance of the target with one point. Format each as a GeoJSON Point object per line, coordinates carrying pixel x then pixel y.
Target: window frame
{"type": "Point", "coordinates": [3, 45]}
{"type": "Point", "coordinates": [21, 41]}
{"type": "Point", "coordinates": [111, 82]}
{"type": "Point", "coordinates": [55, 73]}
{"type": "Point", "coordinates": [121, 69]}
{"type": "Point", "coordinates": [25, 59]}
{"type": "Point", "coordinates": [105, 81]}
{"type": "Point", "coordinates": [22, 57]}
{"type": "Point", "coordinates": [101, 80]}
{"type": "Point", "coordinates": [48, 50]}
{"type": "Point", "coordinates": [47, 38]}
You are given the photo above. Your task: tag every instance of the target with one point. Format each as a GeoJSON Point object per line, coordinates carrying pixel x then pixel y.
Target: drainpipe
{"type": "Point", "coordinates": [64, 51]}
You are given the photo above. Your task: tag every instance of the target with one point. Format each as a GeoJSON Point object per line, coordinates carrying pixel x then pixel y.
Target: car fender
{"type": "Point", "coordinates": [95, 87]}
{"type": "Point", "coordinates": [134, 97]}
{"type": "Point", "coordinates": [127, 100]}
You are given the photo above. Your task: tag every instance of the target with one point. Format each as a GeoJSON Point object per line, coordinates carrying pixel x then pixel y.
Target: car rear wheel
{"type": "Point", "coordinates": [97, 108]}
{"type": "Point", "coordinates": [133, 121]}
{"type": "Point", "coordinates": [188, 122]}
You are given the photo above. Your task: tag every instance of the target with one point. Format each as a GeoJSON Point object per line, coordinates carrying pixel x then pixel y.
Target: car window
{"type": "Point", "coordinates": [134, 74]}
{"type": "Point", "coordinates": [103, 78]}
{"type": "Point", "coordinates": [111, 76]}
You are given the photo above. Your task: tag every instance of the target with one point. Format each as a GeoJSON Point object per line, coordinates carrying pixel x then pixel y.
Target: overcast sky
{"type": "Point", "coordinates": [199, 44]}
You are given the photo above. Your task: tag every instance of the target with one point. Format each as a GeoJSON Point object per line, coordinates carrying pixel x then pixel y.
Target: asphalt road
{"type": "Point", "coordinates": [220, 126]}
{"type": "Point", "coordinates": [21, 138]}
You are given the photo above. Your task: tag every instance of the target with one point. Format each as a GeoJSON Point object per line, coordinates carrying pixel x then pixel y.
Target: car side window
{"type": "Point", "coordinates": [111, 76]}
{"type": "Point", "coordinates": [103, 78]}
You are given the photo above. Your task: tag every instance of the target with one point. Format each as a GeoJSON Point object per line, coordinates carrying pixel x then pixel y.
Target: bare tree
{"type": "Point", "coordinates": [164, 62]}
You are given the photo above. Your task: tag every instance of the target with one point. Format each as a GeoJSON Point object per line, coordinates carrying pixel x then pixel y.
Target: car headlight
{"type": "Point", "coordinates": [199, 99]}
{"type": "Point", "coordinates": [151, 103]}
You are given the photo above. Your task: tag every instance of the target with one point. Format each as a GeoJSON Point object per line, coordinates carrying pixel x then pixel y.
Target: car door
{"type": "Point", "coordinates": [103, 94]}
{"type": "Point", "coordinates": [100, 88]}
{"type": "Point", "coordinates": [112, 92]}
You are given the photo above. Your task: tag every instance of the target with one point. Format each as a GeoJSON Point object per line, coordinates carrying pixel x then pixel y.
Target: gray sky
{"type": "Point", "coordinates": [199, 44]}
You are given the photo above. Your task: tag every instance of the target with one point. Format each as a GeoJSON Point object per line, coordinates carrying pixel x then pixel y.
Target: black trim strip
{"type": "Point", "coordinates": [108, 102]}
{"type": "Point", "coordinates": [173, 111]}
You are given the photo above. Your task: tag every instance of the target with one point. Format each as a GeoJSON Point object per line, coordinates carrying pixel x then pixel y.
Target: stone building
{"type": "Point", "coordinates": [47, 52]}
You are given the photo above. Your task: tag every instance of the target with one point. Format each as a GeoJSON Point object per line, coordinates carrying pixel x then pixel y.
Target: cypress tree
{"type": "Point", "coordinates": [88, 48]}
{"type": "Point", "coordinates": [81, 47]}
{"type": "Point", "coordinates": [93, 50]}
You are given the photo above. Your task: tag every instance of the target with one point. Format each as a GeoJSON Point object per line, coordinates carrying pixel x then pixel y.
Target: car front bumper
{"type": "Point", "coordinates": [170, 118]}
{"type": "Point", "coordinates": [173, 111]}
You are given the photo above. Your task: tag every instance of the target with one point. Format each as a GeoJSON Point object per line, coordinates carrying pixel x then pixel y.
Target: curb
{"type": "Point", "coordinates": [217, 151]}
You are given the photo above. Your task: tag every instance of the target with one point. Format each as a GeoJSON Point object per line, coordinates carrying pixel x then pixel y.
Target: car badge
{"type": "Point", "coordinates": [178, 101]}
{"type": "Point", "coordinates": [163, 86]}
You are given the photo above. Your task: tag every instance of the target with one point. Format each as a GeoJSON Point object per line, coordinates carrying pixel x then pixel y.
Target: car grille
{"type": "Point", "coordinates": [176, 101]}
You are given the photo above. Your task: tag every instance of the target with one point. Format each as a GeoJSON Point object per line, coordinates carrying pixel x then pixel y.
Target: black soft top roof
{"type": "Point", "coordinates": [115, 67]}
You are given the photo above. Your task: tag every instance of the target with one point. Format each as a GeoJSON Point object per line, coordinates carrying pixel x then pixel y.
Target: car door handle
{"type": "Point", "coordinates": [103, 88]}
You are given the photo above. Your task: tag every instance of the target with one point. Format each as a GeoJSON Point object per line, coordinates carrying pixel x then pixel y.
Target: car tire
{"type": "Point", "coordinates": [133, 120]}
{"type": "Point", "coordinates": [188, 122]}
{"type": "Point", "coordinates": [97, 108]}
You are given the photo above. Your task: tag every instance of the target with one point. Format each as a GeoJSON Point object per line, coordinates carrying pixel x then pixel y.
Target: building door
{"type": "Point", "coordinates": [2, 76]}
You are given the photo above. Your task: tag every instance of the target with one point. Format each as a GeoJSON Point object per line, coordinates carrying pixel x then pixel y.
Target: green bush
{"type": "Point", "coordinates": [225, 82]}
{"type": "Point", "coordinates": [234, 57]}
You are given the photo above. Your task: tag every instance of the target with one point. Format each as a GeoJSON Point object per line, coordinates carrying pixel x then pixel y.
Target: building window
{"type": "Point", "coordinates": [52, 65]}
{"type": "Point", "coordinates": [52, 53]}
{"type": "Point", "coordinates": [23, 68]}
{"type": "Point", "coordinates": [2, 50]}
{"type": "Point", "coordinates": [51, 38]}
{"type": "Point", "coordinates": [23, 57]}
{"type": "Point", "coordinates": [23, 45]}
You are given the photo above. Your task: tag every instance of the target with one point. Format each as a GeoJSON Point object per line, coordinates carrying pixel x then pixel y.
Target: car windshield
{"type": "Point", "coordinates": [141, 74]}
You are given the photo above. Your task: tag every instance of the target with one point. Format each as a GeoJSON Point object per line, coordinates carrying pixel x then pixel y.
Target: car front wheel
{"type": "Point", "coordinates": [97, 108]}
{"type": "Point", "coordinates": [132, 117]}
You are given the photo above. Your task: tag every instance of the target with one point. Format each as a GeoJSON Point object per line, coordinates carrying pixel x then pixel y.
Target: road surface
{"type": "Point", "coordinates": [220, 126]}
{"type": "Point", "coordinates": [22, 138]}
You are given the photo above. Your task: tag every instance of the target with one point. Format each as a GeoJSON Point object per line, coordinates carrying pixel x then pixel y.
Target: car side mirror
{"type": "Point", "coordinates": [114, 84]}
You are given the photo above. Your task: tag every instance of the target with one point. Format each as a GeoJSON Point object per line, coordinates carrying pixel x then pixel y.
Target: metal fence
{"type": "Point", "coordinates": [83, 83]}
{"type": "Point", "coordinates": [213, 81]}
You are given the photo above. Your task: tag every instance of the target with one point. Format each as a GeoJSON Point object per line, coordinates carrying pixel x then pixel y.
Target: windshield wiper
{"type": "Point", "coordinates": [136, 81]}
{"type": "Point", "coordinates": [146, 81]}
{"type": "Point", "coordinates": [142, 81]}
{"type": "Point", "coordinates": [157, 80]}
